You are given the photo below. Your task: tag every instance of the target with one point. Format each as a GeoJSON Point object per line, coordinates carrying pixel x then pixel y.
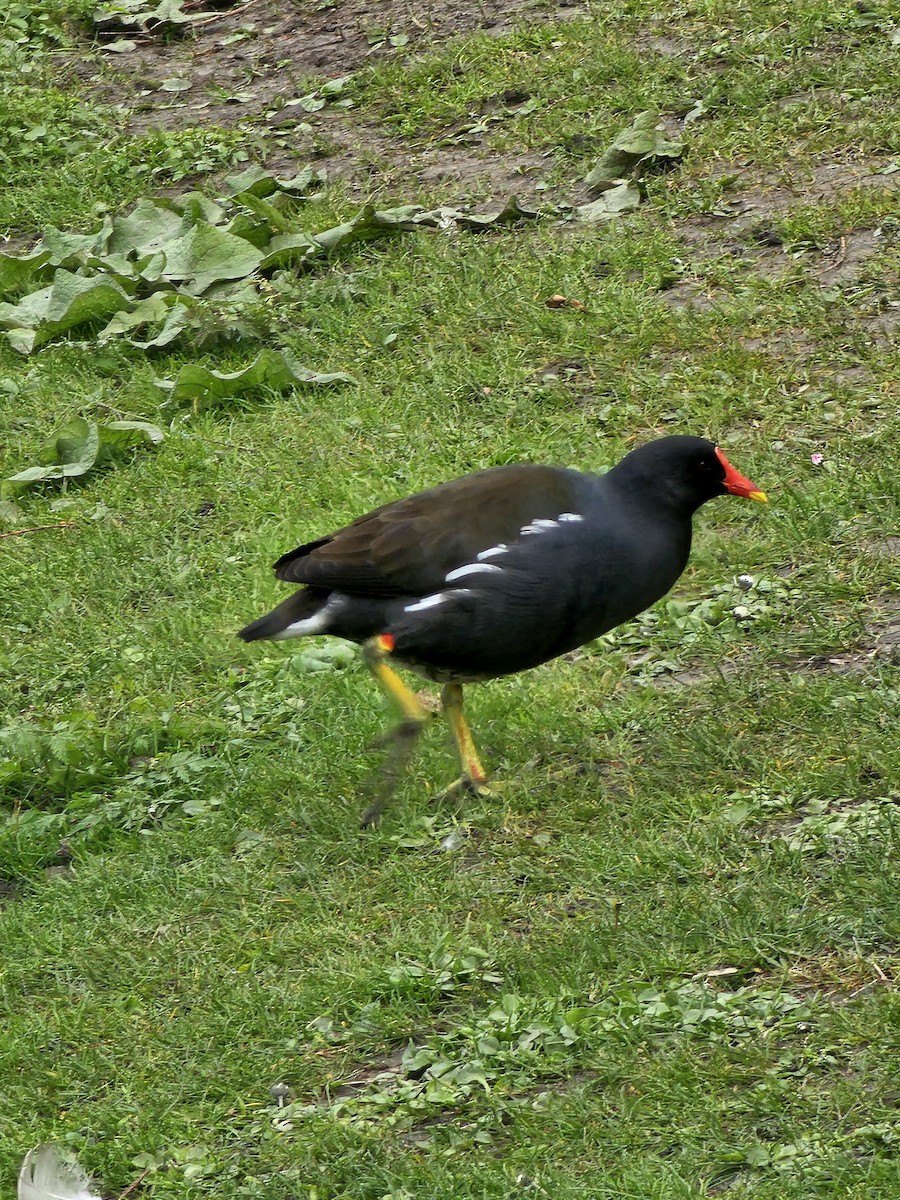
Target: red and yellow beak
{"type": "Point", "coordinates": [738, 484]}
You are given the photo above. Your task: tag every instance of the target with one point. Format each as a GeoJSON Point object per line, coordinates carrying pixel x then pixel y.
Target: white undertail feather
{"type": "Point", "coordinates": [317, 623]}
{"type": "Point", "coordinates": [46, 1175]}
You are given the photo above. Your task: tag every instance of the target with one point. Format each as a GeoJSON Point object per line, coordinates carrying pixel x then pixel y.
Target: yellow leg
{"type": "Point", "coordinates": [375, 652]}
{"type": "Point", "coordinates": [474, 776]}
{"type": "Point", "coordinates": [402, 739]}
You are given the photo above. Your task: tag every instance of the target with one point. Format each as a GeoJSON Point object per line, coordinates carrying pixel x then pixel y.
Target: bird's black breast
{"type": "Point", "coordinates": [560, 583]}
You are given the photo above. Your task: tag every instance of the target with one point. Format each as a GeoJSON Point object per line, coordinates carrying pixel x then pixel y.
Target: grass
{"type": "Point", "coordinates": [664, 964]}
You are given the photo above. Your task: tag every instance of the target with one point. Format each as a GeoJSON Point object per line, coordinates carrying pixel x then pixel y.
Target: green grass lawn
{"type": "Point", "coordinates": [664, 963]}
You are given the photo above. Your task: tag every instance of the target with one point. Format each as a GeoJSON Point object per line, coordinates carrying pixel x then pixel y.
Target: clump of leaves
{"type": "Point", "coordinates": [812, 1154]}
{"type": "Point", "coordinates": [814, 824]}
{"type": "Point", "coordinates": [80, 447]}
{"type": "Point", "coordinates": [328, 93]}
{"type": "Point", "coordinates": [727, 611]}
{"type": "Point", "coordinates": [478, 1070]}
{"type": "Point", "coordinates": [265, 697]}
{"type": "Point", "coordinates": [144, 15]}
{"type": "Point", "coordinates": [445, 972]}
{"type": "Point", "coordinates": [643, 144]}
{"type": "Point", "coordinates": [274, 369]}
{"type": "Point", "coordinates": [143, 274]}
{"type": "Point", "coordinates": [43, 766]}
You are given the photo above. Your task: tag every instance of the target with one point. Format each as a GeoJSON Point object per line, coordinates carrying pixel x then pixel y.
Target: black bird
{"type": "Point", "coordinates": [497, 572]}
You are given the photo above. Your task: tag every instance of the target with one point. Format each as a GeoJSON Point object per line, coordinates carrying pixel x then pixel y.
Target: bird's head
{"type": "Point", "coordinates": [684, 472]}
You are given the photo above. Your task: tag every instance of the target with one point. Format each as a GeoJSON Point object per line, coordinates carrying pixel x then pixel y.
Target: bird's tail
{"type": "Point", "coordinates": [294, 617]}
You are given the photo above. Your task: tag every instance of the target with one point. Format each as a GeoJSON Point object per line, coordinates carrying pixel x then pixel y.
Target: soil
{"type": "Point", "coordinates": [287, 49]}
{"type": "Point", "coordinates": [238, 67]}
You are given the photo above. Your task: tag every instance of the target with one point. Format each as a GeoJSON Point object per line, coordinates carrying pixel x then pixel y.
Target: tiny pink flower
{"type": "Point", "coordinates": [817, 459]}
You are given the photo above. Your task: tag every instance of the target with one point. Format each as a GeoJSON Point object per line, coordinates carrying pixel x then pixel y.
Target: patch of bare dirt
{"type": "Point", "coordinates": [245, 62]}
{"type": "Point", "coordinates": [880, 643]}
{"type": "Point", "coordinates": [244, 67]}
{"type": "Point", "coordinates": [793, 349]}
{"type": "Point", "coordinates": [759, 195]}
{"type": "Point", "coordinates": [743, 228]}
{"type": "Point", "coordinates": [839, 263]}
{"type": "Point", "coordinates": [883, 328]}
{"type": "Point", "coordinates": [785, 344]}
{"type": "Point", "coordinates": [689, 294]}
{"type": "Point", "coordinates": [665, 45]}
{"type": "Point", "coordinates": [843, 261]}
{"type": "Point", "coordinates": [387, 1069]}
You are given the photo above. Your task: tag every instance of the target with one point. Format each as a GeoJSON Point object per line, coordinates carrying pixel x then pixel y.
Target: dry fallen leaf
{"type": "Point", "coordinates": [563, 302]}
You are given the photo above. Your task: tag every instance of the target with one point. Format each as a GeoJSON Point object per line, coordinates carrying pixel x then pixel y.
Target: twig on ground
{"type": "Point", "coordinates": [140, 1179]}
{"type": "Point", "coordinates": [38, 528]}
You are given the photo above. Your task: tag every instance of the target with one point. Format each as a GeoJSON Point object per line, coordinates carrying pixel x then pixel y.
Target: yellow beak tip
{"type": "Point", "coordinates": [761, 497]}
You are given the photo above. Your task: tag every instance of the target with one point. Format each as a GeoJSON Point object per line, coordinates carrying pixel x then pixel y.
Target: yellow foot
{"type": "Point", "coordinates": [465, 786]}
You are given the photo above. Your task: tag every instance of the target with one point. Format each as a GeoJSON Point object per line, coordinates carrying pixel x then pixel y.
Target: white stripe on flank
{"type": "Point", "coordinates": [317, 623]}
{"type": "Point", "coordinates": [427, 602]}
{"type": "Point", "coordinates": [545, 523]}
{"type": "Point", "coordinates": [472, 569]}
{"type": "Point", "coordinates": [571, 517]}
{"type": "Point", "coordinates": [493, 551]}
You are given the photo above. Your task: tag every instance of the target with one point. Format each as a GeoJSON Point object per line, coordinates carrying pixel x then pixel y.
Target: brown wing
{"type": "Point", "coordinates": [406, 548]}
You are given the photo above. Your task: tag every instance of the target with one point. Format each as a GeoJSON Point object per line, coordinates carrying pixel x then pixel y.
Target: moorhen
{"type": "Point", "coordinates": [497, 572]}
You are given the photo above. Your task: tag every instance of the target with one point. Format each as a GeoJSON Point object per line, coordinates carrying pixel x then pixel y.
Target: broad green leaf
{"type": "Point", "coordinates": [252, 227]}
{"type": "Point", "coordinates": [10, 512]}
{"type": "Point", "coordinates": [195, 207]}
{"type": "Point", "coordinates": [257, 181]}
{"type": "Point", "coordinates": [28, 313]}
{"type": "Point", "coordinates": [70, 300]}
{"type": "Point", "coordinates": [75, 444]}
{"type": "Point", "coordinates": [147, 228]}
{"type": "Point", "coordinates": [79, 447]}
{"type": "Point", "coordinates": [642, 141]}
{"type": "Point", "coordinates": [274, 369]}
{"type": "Point", "coordinates": [72, 249]}
{"type": "Point", "coordinates": [23, 480]}
{"type": "Point", "coordinates": [15, 269]}
{"type": "Point", "coordinates": [511, 212]}
{"type": "Point", "coordinates": [290, 249]}
{"type": "Point", "coordinates": [368, 224]}
{"type": "Point", "coordinates": [624, 197]}
{"type": "Point", "coordinates": [334, 86]}
{"type": "Point", "coordinates": [116, 437]}
{"type": "Point", "coordinates": [22, 340]}
{"type": "Point", "coordinates": [142, 14]}
{"type": "Point", "coordinates": [168, 310]}
{"type": "Point", "coordinates": [268, 212]}
{"type": "Point", "coordinates": [72, 451]}
{"type": "Point", "coordinates": [206, 255]}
